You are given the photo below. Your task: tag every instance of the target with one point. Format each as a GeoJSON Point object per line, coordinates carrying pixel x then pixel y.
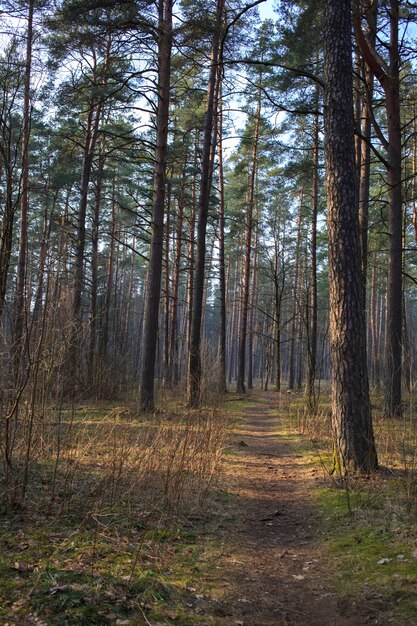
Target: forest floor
{"type": "Point", "coordinates": [275, 571]}
{"type": "Point", "coordinates": [278, 542]}
{"type": "Point", "coordinates": [300, 547]}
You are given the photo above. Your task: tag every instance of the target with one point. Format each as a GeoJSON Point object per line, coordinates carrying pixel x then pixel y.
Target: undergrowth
{"type": "Point", "coordinates": [105, 532]}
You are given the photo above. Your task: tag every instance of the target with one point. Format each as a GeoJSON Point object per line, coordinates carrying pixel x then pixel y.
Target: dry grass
{"type": "Point", "coordinates": [396, 440]}
{"type": "Point", "coordinates": [101, 502]}
{"type": "Point", "coordinates": [94, 457]}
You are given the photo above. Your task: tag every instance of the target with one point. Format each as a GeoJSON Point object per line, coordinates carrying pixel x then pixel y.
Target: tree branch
{"type": "Point", "coordinates": [375, 63]}
{"type": "Point", "coordinates": [295, 70]}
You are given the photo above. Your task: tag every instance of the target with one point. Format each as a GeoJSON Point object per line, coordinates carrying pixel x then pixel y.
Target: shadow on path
{"type": "Point", "coordinates": [272, 567]}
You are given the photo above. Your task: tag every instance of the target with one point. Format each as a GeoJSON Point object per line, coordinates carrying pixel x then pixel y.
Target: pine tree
{"type": "Point", "coordinates": [351, 411]}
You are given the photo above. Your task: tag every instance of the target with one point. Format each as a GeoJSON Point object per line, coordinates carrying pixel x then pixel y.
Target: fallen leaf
{"type": "Point", "coordinates": [16, 606]}
{"type": "Point", "coordinates": [22, 567]}
{"type": "Point", "coordinates": [298, 577]}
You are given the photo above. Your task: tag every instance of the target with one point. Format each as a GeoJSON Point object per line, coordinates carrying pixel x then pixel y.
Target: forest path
{"type": "Point", "coordinates": [273, 569]}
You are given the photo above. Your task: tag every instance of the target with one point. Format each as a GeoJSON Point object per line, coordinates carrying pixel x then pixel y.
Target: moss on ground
{"type": "Point", "coordinates": [373, 549]}
{"type": "Point", "coordinates": [99, 574]}
{"type": "Point", "coordinates": [370, 525]}
{"type": "Point", "coordinates": [127, 566]}
{"type": "Point", "coordinates": [109, 545]}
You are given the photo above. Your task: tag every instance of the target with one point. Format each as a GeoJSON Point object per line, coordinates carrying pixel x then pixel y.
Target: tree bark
{"type": "Point", "coordinates": [94, 273]}
{"type": "Point", "coordinates": [20, 304]}
{"type": "Point", "coordinates": [194, 364]}
{"type": "Point", "coordinates": [365, 156]}
{"type": "Point", "coordinates": [153, 287]}
{"type": "Point", "coordinates": [389, 78]}
{"type": "Point", "coordinates": [240, 383]}
{"type": "Point", "coordinates": [312, 304]}
{"type": "Point", "coordinates": [253, 301]}
{"type": "Point", "coordinates": [110, 281]}
{"type": "Point", "coordinates": [174, 352]}
{"type": "Point", "coordinates": [351, 412]}
{"type": "Point", "coordinates": [167, 295]}
{"type": "Point", "coordinates": [296, 311]}
{"type": "Point", "coordinates": [222, 263]}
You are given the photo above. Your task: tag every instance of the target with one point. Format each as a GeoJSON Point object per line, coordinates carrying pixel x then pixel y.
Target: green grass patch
{"type": "Point", "coordinates": [99, 574]}
{"type": "Point", "coordinates": [370, 524]}
{"type": "Point", "coordinates": [373, 549]}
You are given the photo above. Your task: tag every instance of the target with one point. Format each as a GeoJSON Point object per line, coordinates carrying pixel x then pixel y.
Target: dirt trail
{"type": "Point", "coordinates": [273, 570]}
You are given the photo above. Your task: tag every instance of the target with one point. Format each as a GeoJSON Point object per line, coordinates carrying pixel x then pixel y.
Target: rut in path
{"type": "Point", "coordinates": [273, 569]}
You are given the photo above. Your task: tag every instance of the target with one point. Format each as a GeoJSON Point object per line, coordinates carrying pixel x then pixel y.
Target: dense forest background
{"type": "Point", "coordinates": [164, 208]}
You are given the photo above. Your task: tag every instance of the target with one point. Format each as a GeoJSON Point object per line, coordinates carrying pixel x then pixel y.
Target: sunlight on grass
{"type": "Point", "coordinates": [370, 523]}
{"type": "Point", "coordinates": [111, 499]}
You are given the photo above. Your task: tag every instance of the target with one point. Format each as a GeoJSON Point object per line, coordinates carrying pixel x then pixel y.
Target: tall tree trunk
{"type": "Point", "coordinates": [94, 272]}
{"type": "Point", "coordinates": [373, 323]}
{"type": "Point", "coordinates": [414, 170]}
{"type": "Point", "coordinates": [365, 158]}
{"type": "Point", "coordinates": [279, 282]}
{"type": "Point", "coordinates": [128, 335]}
{"type": "Point", "coordinates": [6, 243]}
{"type": "Point", "coordinates": [312, 305]}
{"type": "Point", "coordinates": [296, 311]}
{"type": "Point", "coordinates": [194, 365]}
{"type": "Point", "coordinates": [110, 282]}
{"type": "Point", "coordinates": [174, 351]}
{"type": "Point", "coordinates": [48, 217]}
{"type": "Point", "coordinates": [167, 294]}
{"type": "Point", "coordinates": [389, 78]}
{"type": "Point", "coordinates": [240, 383]}
{"type": "Point", "coordinates": [153, 287]}
{"type": "Point", "coordinates": [393, 405]}
{"type": "Point", "coordinates": [92, 129]}
{"type": "Point", "coordinates": [191, 253]}
{"type": "Point", "coordinates": [232, 322]}
{"type": "Point", "coordinates": [351, 411]}
{"type": "Point", "coordinates": [222, 263]}
{"type": "Point", "coordinates": [20, 304]}
{"type": "Point", "coordinates": [252, 304]}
